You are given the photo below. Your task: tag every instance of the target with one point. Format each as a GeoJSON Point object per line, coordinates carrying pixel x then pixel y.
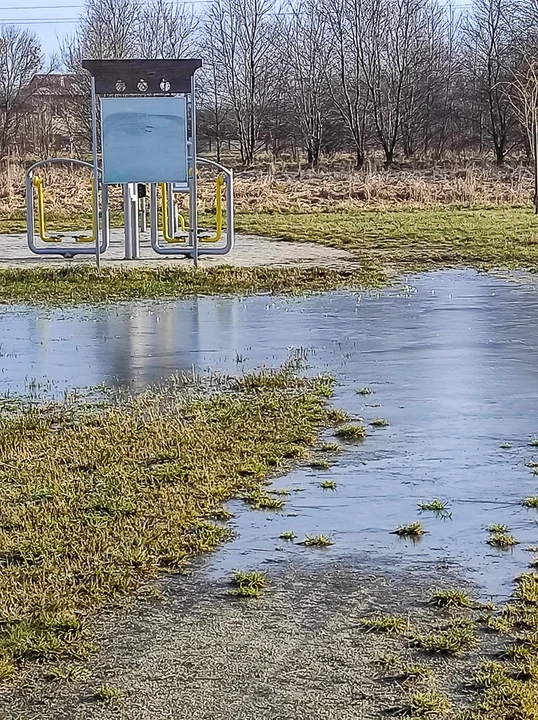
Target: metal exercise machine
{"type": "Point", "coordinates": [144, 112]}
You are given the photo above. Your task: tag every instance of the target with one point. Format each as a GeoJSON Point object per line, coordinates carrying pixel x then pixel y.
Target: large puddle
{"type": "Point", "coordinates": [453, 359]}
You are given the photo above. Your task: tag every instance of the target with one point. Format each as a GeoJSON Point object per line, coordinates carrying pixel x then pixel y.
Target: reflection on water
{"type": "Point", "coordinates": [454, 362]}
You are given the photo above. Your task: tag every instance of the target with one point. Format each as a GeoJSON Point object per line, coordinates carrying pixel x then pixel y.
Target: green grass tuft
{"type": "Point", "coordinates": [330, 447]}
{"type": "Point", "coordinates": [456, 637]}
{"type": "Point", "coordinates": [390, 624]}
{"type": "Point", "coordinates": [451, 597]}
{"type": "Point", "coordinates": [502, 540]}
{"type": "Point", "coordinates": [412, 530]}
{"type": "Point", "coordinates": [320, 465]}
{"type": "Point", "coordinates": [424, 704]}
{"type": "Point", "coordinates": [110, 695]}
{"type": "Point", "coordinates": [441, 507]}
{"type": "Point", "coordinates": [351, 432]}
{"type": "Point", "coordinates": [531, 502]}
{"type": "Point", "coordinates": [317, 541]}
{"type": "Point", "coordinates": [248, 584]}
{"type": "Point", "coordinates": [379, 422]}
{"type": "Point", "coordinates": [365, 391]}
{"type": "Point", "coordinates": [288, 535]}
{"type": "Point", "coordinates": [498, 528]}
{"type": "Point", "coordinates": [328, 485]}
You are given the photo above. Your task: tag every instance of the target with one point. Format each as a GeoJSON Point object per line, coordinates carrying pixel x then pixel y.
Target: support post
{"type": "Point", "coordinates": [95, 177]}
{"type": "Point", "coordinates": [193, 209]}
{"type": "Point", "coordinates": [143, 215]}
{"type": "Point", "coordinates": [127, 221]}
{"type": "Point", "coordinates": [535, 152]}
{"type": "Point", "coordinates": [135, 236]}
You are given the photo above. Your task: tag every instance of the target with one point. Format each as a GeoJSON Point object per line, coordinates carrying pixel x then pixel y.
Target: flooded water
{"type": "Point", "coordinates": [453, 360]}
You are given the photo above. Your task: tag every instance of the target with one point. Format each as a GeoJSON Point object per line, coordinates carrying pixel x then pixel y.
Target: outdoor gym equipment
{"type": "Point", "coordinates": [35, 190]}
{"type": "Point", "coordinates": [144, 111]}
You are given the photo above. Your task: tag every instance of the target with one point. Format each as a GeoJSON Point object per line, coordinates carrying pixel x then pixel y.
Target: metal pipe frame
{"type": "Point", "coordinates": [100, 247]}
{"type": "Point", "coordinates": [189, 250]}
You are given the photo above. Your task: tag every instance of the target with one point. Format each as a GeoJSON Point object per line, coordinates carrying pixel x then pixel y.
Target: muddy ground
{"type": "Point", "coordinates": [298, 652]}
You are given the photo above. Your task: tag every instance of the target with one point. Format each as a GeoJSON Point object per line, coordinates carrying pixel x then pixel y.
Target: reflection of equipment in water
{"type": "Point", "coordinates": [35, 190]}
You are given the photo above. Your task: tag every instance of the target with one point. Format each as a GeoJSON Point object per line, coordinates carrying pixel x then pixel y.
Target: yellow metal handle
{"type": "Point", "coordinates": [169, 238]}
{"type": "Point", "coordinates": [38, 185]}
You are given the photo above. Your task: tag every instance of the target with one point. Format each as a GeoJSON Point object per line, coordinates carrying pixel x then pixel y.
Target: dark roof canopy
{"type": "Point", "coordinates": [142, 77]}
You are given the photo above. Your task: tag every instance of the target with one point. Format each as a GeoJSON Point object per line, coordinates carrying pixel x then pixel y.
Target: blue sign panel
{"type": "Point", "coordinates": [144, 140]}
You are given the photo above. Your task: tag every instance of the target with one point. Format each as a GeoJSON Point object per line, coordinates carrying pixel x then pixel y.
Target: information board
{"type": "Point", "coordinates": [144, 139]}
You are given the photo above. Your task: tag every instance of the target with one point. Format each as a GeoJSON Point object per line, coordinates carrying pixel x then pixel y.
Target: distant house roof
{"type": "Point", "coordinates": [51, 85]}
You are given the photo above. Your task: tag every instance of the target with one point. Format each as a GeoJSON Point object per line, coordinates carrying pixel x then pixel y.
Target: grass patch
{"type": "Point", "coordinates": [527, 588]}
{"type": "Point", "coordinates": [248, 584]}
{"type": "Point", "coordinates": [85, 519]}
{"type": "Point", "coordinates": [413, 239]}
{"type": "Point", "coordinates": [288, 535]}
{"type": "Point", "coordinates": [330, 447]}
{"type": "Point", "coordinates": [391, 624]}
{"type": "Point", "coordinates": [497, 528]}
{"type": "Point", "coordinates": [320, 465]}
{"type": "Point", "coordinates": [505, 446]}
{"type": "Point", "coordinates": [379, 422]}
{"type": "Point", "coordinates": [66, 673]}
{"type": "Point", "coordinates": [451, 597]}
{"type": "Point", "coordinates": [110, 695]}
{"type": "Point", "coordinates": [502, 540]}
{"type": "Point", "coordinates": [351, 432]}
{"type": "Point", "coordinates": [456, 637]}
{"type": "Point", "coordinates": [260, 500]}
{"type": "Point", "coordinates": [440, 507]}
{"type": "Point", "coordinates": [489, 674]}
{"type": "Point", "coordinates": [531, 502]}
{"type": "Point", "coordinates": [317, 541]}
{"type": "Point", "coordinates": [365, 391]}
{"type": "Point", "coordinates": [426, 704]}
{"type": "Point", "coordinates": [328, 485]}
{"type": "Point", "coordinates": [412, 530]}
{"type": "Point", "coordinates": [84, 284]}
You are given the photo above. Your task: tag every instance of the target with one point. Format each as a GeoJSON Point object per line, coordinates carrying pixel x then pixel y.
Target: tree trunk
{"type": "Point", "coordinates": [359, 158]}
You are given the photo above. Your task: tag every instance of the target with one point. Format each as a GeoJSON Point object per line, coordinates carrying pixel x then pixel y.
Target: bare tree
{"type": "Point", "coordinates": [307, 51]}
{"type": "Point", "coordinates": [108, 28]}
{"type": "Point", "coordinates": [345, 77]}
{"type": "Point", "coordinates": [489, 38]}
{"type": "Point", "coordinates": [20, 60]}
{"type": "Point", "coordinates": [215, 105]}
{"type": "Point", "coordinates": [166, 30]}
{"type": "Point", "coordinates": [245, 38]}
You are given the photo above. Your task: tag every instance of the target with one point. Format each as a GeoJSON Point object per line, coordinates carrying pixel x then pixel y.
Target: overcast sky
{"type": "Point", "coordinates": [52, 20]}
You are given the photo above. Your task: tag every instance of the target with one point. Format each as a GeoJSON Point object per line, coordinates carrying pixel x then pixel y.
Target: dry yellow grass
{"type": "Point", "coordinates": [68, 191]}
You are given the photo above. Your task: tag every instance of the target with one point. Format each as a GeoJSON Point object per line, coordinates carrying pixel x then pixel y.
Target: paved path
{"type": "Point", "coordinates": [249, 251]}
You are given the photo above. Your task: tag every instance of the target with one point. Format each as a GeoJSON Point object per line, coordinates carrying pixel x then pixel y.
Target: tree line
{"type": "Point", "coordinates": [398, 80]}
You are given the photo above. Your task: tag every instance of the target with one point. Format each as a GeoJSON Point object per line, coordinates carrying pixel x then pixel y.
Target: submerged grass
{"type": "Point", "coordinates": [84, 284]}
{"type": "Point", "coordinates": [94, 501]}
{"type": "Point", "coordinates": [412, 530]}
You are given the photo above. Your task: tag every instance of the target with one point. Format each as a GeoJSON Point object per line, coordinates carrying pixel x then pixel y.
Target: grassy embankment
{"type": "Point", "coordinates": [96, 500]}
